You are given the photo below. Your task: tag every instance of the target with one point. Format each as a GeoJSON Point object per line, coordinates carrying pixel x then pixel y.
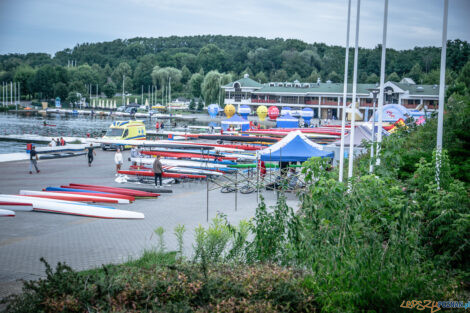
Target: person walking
{"type": "Point", "coordinates": [118, 159]}
{"type": "Point", "coordinates": [33, 160]}
{"type": "Point", "coordinates": [157, 170]}
{"type": "Point", "coordinates": [90, 154]}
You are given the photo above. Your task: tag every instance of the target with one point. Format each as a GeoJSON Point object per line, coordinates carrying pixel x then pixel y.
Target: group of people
{"type": "Point", "coordinates": [57, 142]}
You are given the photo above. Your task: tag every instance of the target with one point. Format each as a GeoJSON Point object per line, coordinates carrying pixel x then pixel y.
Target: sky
{"type": "Point", "coordinates": [53, 25]}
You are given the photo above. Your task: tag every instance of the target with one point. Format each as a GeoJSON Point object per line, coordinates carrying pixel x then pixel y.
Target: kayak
{"type": "Point", "coordinates": [75, 208]}
{"type": "Point", "coordinates": [12, 205]}
{"type": "Point", "coordinates": [186, 155]}
{"type": "Point", "coordinates": [89, 193]}
{"type": "Point", "coordinates": [235, 138]}
{"type": "Point", "coordinates": [182, 170]}
{"type": "Point", "coordinates": [70, 197]}
{"type": "Point", "coordinates": [117, 190]}
{"type": "Point", "coordinates": [6, 213]}
{"type": "Point", "coordinates": [183, 163]}
{"type": "Point", "coordinates": [164, 174]}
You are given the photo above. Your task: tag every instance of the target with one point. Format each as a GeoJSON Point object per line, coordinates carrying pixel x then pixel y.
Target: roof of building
{"type": "Point", "coordinates": [246, 81]}
{"type": "Point", "coordinates": [407, 80]}
{"type": "Point", "coordinates": [419, 89]}
{"type": "Point", "coordinates": [336, 88]}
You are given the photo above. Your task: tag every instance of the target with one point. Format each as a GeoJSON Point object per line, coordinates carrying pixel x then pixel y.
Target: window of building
{"type": "Point", "coordinates": [238, 92]}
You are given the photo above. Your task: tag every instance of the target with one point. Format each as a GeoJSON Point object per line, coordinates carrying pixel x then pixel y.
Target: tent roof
{"type": "Point", "coordinates": [292, 148]}
{"type": "Point", "coordinates": [361, 133]}
{"type": "Point", "coordinates": [286, 117]}
{"type": "Point", "coordinates": [235, 119]}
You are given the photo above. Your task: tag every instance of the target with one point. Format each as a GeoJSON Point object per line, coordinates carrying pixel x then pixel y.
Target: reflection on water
{"type": "Point", "coordinates": [65, 126]}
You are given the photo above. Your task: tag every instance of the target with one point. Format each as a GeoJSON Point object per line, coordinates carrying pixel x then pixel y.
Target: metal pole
{"type": "Point", "coordinates": [382, 82]}
{"type": "Point", "coordinates": [19, 94]}
{"type": "Point", "coordinates": [123, 90]}
{"type": "Point", "coordinates": [169, 94]}
{"type": "Point", "coordinates": [207, 199]}
{"type": "Point", "coordinates": [442, 83]}
{"type": "Point", "coordinates": [371, 165]}
{"type": "Point", "coordinates": [236, 189]}
{"type": "Point", "coordinates": [257, 176]}
{"type": "Point", "coordinates": [148, 91]}
{"type": "Point", "coordinates": [353, 106]}
{"type": "Point", "coordinates": [11, 93]}
{"type": "Point", "coordinates": [142, 96]}
{"type": "Point", "coordinates": [345, 90]}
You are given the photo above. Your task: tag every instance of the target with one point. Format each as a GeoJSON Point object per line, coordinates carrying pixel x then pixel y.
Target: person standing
{"type": "Point", "coordinates": [33, 160]}
{"type": "Point", "coordinates": [53, 143]}
{"type": "Point", "coordinates": [62, 141]}
{"type": "Point", "coordinates": [91, 152]}
{"type": "Point", "coordinates": [118, 159]}
{"type": "Point", "coordinates": [157, 170]}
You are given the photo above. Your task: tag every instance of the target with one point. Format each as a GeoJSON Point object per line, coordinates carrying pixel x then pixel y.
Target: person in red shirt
{"type": "Point", "coordinates": [157, 125]}
{"type": "Point", "coordinates": [62, 141]}
{"type": "Point", "coordinates": [262, 169]}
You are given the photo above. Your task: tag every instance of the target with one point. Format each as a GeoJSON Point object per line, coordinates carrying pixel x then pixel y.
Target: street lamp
{"type": "Point", "coordinates": [375, 92]}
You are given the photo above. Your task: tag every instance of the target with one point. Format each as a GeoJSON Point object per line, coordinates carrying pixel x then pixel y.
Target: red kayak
{"type": "Point", "coordinates": [164, 174]}
{"type": "Point", "coordinates": [122, 191]}
{"type": "Point", "coordinates": [50, 125]}
{"type": "Point", "coordinates": [72, 198]}
{"type": "Point", "coordinates": [242, 147]}
{"type": "Point", "coordinates": [104, 195]}
{"type": "Point", "coordinates": [187, 155]}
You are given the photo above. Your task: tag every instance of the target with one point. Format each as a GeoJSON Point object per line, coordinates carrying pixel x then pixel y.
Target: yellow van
{"type": "Point", "coordinates": [124, 130]}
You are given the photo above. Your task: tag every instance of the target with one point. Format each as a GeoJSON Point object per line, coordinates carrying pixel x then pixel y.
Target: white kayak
{"type": "Point", "coordinates": [6, 213]}
{"type": "Point", "coordinates": [16, 205]}
{"type": "Point", "coordinates": [55, 194]}
{"type": "Point", "coordinates": [182, 163]}
{"type": "Point", "coordinates": [74, 208]}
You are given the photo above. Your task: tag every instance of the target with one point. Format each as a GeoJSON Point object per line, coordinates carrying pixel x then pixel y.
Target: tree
{"type": "Point", "coordinates": [161, 76]}
{"type": "Point", "coordinates": [77, 86]}
{"type": "Point", "coordinates": [43, 81]}
{"type": "Point", "coordinates": [313, 78]}
{"type": "Point", "coordinates": [279, 76]}
{"type": "Point", "coordinates": [295, 77]}
{"type": "Point", "coordinates": [73, 98]}
{"type": "Point", "coordinates": [143, 71]}
{"type": "Point", "coordinates": [415, 73]}
{"type": "Point", "coordinates": [185, 74]}
{"type": "Point", "coordinates": [261, 78]}
{"type": "Point", "coordinates": [372, 79]}
{"type": "Point", "coordinates": [109, 89]}
{"type": "Point", "coordinates": [61, 90]}
{"type": "Point", "coordinates": [23, 75]}
{"type": "Point", "coordinates": [334, 77]}
{"type": "Point", "coordinates": [211, 87]}
{"type": "Point", "coordinates": [123, 69]}
{"type": "Point", "coordinates": [192, 104]}
{"type": "Point", "coordinates": [195, 84]}
{"type": "Point", "coordinates": [464, 76]}
{"type": "Point", "coordinates": [211, 57]}
{"type": "Point", "coordinates": [393, 77]}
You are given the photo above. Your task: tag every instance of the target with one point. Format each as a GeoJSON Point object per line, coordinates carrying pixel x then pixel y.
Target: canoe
{"type": "Point", "coordinates": [74, 208]}
{"type": "Point", "coordinates": [90, 193]}
{"type": "Point", "coordinates": [187, 155]}
{"type": "Point", "coordinates": [235, 138]}
{"type": "Point", "coordinates": [164, 174]}
{"type": "Point", "coordinates": [150, 189]}
{"type": "Point", "coordinates": [182, 163]}
{"type": "Point", "coordinates": [71, 197]}
{"type": "Point", "coordinates": [14, 205]}
{"type": "Point", "coordinates": [117, 190]}
{"type": "Point", "coordinates": [7, 213]}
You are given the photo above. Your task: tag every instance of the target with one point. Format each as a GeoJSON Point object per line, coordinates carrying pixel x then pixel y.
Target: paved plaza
{"type": "Point", "coordinates": [84, 242]}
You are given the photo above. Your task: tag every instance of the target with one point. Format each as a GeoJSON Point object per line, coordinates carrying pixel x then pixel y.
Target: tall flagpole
{"type": "Point", "coordinates": [354, 89]}
{"type": "Point", "coordinates": [345, 90]}
{"type": "Point", "coordinates": [382, 82]}
{"type": "Point", "coordinates": [442, 83]}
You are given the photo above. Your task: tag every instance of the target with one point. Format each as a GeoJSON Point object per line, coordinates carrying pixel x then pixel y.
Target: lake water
{"type": "Point", "coordinates": [70, 126]}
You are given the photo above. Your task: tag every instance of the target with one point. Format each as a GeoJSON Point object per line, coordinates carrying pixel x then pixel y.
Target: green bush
{"type": "Point", "coordinates": [172, 288]}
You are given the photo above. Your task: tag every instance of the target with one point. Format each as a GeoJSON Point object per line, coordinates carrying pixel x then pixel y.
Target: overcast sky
{"type": "Point", "coordinates": [53, 25]}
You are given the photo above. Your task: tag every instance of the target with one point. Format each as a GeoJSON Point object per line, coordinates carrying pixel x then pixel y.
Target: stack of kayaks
{"type": "Point", "coordinates": [73, 199]}
{"type": "Point", "coordinates": [73, 208]}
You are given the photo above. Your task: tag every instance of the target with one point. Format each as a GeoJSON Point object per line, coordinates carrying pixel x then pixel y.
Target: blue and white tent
{"type": "Point", "coordinates": [236, 120]}
{"type": "Point", "coordinates": [287, 121]}
{"type": "Point", "coordinates": [293, 148]}
{"type": "Point", "coordinates": [392, 113]}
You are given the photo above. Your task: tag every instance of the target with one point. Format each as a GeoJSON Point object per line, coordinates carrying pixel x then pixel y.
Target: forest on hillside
{"type": "Point", "coordinates": [198, 65]}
